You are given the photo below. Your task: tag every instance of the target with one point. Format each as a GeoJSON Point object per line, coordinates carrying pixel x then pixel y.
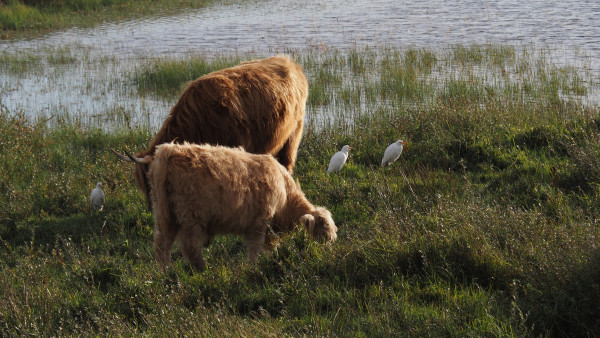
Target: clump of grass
{"type": "Point", "coordinates": [61, 56]}
{"type": "Point", "coordinates": [19, 63]}
{"type": "Point", "coordinates": [14, 15]}
{"type": "Point", "coordinates": [322, 84]}
{"type": "Point", "coordinates": [405, 76]}
{"type": "Point", "coordinates": [167, 78]}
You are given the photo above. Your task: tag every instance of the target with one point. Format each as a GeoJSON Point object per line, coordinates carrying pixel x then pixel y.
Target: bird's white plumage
{"type": "Point", "coordinates": [392, 153]}
{"type": "Point", "coordinates": [97, 197]}
{"type": "Point", "coordinates": [338, 160]}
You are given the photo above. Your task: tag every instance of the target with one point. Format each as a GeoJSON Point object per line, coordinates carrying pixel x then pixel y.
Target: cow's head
{"type": "Point", "coordinates": [142, 163]}
{"type": "Point", "coordinates": [320, 224]}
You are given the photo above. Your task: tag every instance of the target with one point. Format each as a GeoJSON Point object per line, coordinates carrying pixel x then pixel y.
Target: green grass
{"type": "Point", "coordinates": [168, 78]}
{"type": "Point", "coordinates": [26, 18]}
{"type": "Point", "coordinates": [23, 63]}
{"type": "Point", "coordinates": [19, 63]}
{"type": "Point", "coordinates": [486, 226]}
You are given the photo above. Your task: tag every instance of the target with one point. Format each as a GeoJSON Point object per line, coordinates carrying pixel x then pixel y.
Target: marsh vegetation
{"type": "Point", "coordinates": [20, 18]}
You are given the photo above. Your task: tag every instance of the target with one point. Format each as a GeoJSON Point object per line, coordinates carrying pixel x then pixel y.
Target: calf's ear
{"type": "Point", "coordinates": [308, 221]}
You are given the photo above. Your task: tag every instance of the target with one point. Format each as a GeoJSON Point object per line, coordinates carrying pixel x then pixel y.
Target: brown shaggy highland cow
{"type": "Point", "coordinates": [258, 105]}
{"type": "Point", "coordinates": [199, 191]}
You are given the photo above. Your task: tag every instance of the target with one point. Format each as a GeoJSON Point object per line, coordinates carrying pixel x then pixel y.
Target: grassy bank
{"type": "Point", "coordinates": [26, 18]}
{"type": "Point", "coordinates": [488, 225]}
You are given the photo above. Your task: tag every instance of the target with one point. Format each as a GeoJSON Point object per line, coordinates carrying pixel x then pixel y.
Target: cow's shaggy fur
{"type": "Point", "coordinates": [199, 191]}
{"type": "Point", "coordinates": [258, 105]}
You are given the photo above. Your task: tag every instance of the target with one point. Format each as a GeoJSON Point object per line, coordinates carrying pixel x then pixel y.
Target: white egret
{"type": "Point", "coordinates": [97, 197]}
{"type": "Point", "coordinates": [392, 152]}
{"type": "Point", "coordinates": [339, 159]}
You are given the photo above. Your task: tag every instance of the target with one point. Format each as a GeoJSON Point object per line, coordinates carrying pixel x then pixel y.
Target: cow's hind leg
{"type": "Point", "coordinates": [190, 242]}
{"type": "Point", "coordinates": [287, 155]}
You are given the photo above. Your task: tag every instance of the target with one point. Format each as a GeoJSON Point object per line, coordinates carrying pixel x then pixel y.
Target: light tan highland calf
{"type": "Point", "coordinates": [258, 105]}
{"type": "Point", "coordinates": [199, 191]}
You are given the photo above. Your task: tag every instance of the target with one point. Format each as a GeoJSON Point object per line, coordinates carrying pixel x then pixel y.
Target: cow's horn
{"type": "Point", "coordinates": [138, 160]}
{"type": "Point", "coordinates": [121, 156]}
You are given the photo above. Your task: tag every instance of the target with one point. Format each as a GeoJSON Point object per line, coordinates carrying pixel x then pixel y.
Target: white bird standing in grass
{"type": "Point", "coordinates": [392, 152]}
{"type": "Point", "coordinates": [97, 197]}
{"type": "Point", "coordinates": [339, 159]}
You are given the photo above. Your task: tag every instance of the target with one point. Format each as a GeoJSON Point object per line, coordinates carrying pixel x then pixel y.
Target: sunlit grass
{"type": "Point", "coordinates": [25, 18]}
{"type": "Point", "coordinates": [14, 15]}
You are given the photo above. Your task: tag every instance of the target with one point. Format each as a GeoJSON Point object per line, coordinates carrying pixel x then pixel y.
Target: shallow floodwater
{"type": "Point", "coordinates": [84, 71]}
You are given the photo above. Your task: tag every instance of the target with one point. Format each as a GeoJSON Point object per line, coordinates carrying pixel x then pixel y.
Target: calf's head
{"type": "Point", "coordinates": [320, 224]}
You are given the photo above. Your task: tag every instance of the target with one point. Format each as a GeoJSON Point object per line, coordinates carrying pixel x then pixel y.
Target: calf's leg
{"type": "Point", "coordinates": [190, 240]}
{"type": "Point", "coordinates": [255, 240]}
{"type": "Point", "coordinates": [163, 241]}
{"type": "Point", "coordinates": [164, 236]}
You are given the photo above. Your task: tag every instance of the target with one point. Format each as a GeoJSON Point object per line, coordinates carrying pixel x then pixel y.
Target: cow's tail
{"type": "Point", "coordinates": [160, 198]}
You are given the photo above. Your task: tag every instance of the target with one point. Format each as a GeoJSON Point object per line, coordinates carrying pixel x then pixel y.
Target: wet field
{"type": "Point", "coordinates": [87, 73]}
